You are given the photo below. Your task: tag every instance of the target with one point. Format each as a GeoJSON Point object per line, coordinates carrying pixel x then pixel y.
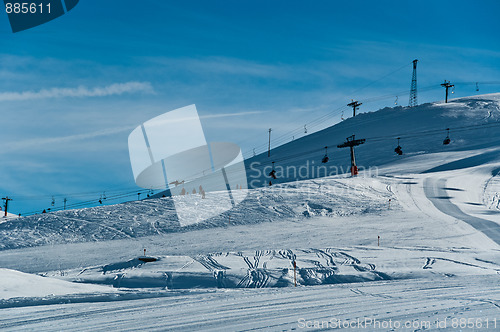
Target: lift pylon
{"type": "Point", "coordinates": [351, 142]}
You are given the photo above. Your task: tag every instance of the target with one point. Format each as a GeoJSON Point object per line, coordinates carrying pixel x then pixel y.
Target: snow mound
{"type": "Point", "coordinates": [275, 268]}
{"type": "Point", "coordinates": [260, 269]}
{"type": "Point", "coordinates": [10, 216]}
{"type": "Point", "coordinates": [329, 197]}
{"type": "Point", "coordinates": [17, 284]}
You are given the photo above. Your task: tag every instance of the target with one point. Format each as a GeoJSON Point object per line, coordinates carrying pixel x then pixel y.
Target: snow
{"type": "Point", "coordinates": [9, 216]}
{"type": "Point", "coordinates": [19, 284]}
{"type": "Point", "coordinates": [415, 240]}
{"type": "Point", "coordinates": [414, 301]}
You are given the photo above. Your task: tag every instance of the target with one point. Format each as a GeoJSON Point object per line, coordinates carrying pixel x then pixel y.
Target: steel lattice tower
{"type": "Point", "coordinates": [413, 89]}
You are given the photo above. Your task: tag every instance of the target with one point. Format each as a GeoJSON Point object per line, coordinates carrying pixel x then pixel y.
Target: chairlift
{"type": "Point", "coordinates": [447, 140]}
{"type": "Point", "coordinates": [396, 101]}
{"type": "Point", "coordinates": [453, 89]}
{"type": "Point", "coordinates": [325, 158]}
{"type": "Point", "coordinates": [305, 129]}
{"type": "Point", "coordinates": [398, 149]}
{"type": "Point", "coordinates": [477, 86]}
{"type": "Point", "coordinates": [273, 173]}
{"type": "Point", "coordinates": [53, 201]}
{"type": "Point", "coordinates": [342, 116]}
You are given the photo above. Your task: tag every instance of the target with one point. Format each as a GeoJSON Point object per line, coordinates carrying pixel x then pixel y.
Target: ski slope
{"type": "Point", "coordinates": [473, 124]}
{"type": "Point", "coordinates": [18, 284]}
{"type": "Point", "coordinates": [5, 218]}
{"type": "Point", "coordinates": [418, 304]}
{"type": "Point", "coordinates": [414, 240]}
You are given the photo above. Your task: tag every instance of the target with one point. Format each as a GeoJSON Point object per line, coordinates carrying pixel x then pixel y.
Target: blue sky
{"type": "Point", "coordinates": [74, 88]}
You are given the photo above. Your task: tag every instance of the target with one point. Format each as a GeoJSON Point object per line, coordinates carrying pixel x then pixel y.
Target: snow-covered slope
{"type": "Point", "coordinates": [413, 305]}
{"type": "Point", "coordinates": [18, 284]}
{"type": "Point", "coordinates": [416, 239]}
{"type": "Point", "coordinates": [337, 196]}
{"type": "Point", "coordinates": [5, 218]}
{"type": "Point", "coordinates": [473, 124]}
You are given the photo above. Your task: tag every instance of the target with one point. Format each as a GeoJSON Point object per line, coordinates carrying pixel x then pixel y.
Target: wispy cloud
{"type": "Point", "coordinates": [48, 141]}
{"type": "Point", "coordinates": [14, 146]}
{"type": "Point", "coordinates": [225, 115]}
{"type": "Point", "coordinates": [79, 92]}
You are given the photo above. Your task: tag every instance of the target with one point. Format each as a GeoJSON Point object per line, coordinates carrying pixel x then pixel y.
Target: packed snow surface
{"type": "Point", "coordinates": [19, 284]}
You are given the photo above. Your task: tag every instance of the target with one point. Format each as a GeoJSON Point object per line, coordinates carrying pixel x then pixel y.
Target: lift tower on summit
{"type": "Point", "coordinates": [355, 105]}
{"type": "Point", "coordinates": [6, 199]}
{"type": "Point", "coordinates": [413, 88]}
{"type": "Point", "coordinates": [447, 85]}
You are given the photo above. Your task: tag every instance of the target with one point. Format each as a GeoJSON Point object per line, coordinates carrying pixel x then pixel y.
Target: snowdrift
{"type": "Point", "coordinates": [335, 198]}
{"type": "Point", "coordinates": [17, 284]}
{"type": "Point", "coordinates": [275, 268]}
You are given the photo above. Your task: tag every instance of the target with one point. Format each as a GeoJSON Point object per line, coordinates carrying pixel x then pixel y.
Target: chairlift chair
{"type": "Point", "coordinates": [398, 149]}
{"type": "Point", "coordinates": [325, 158]}
{"type": "Point", "coordinates": [272, 173]}
{"type": "Point", "coordinates": [447, 140]}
